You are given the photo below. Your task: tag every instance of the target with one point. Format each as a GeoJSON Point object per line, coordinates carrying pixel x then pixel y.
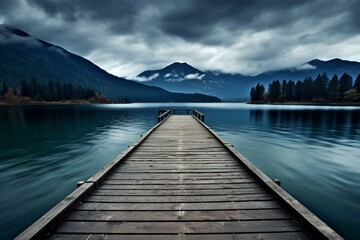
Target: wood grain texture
{"type": "Point", "coordinates": [178, 227]}
{"type": "Point", "coordinates": [179, 182]}
{"type": "Point", "coordinates": [175, 216]}
{"type": "Point", "coordinates": [235, 236]}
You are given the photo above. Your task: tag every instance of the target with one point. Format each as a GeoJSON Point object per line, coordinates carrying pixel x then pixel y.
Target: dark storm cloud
{"type": "Point", "coordinates": [197, 20]}
{"type": "Point", "coordinates": [194, 20]}
{"type": "Point", "coordinates": [249, 36]}
{"type": "Point", "coordinates": [119, 15]}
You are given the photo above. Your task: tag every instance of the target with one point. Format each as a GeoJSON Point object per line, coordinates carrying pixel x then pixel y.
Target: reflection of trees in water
{"type": "Point", "coordinates": [256, 115]}
{"type": "Point", "coordinates": [23, 125]}
{"type": "Point", "coordinates": [57, 115]}
{"type": "Point", "coordinates": [311, 122]}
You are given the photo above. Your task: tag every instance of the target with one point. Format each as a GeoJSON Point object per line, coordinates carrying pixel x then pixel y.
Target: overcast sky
{"type": "Point", "coordinates": [126, 37]}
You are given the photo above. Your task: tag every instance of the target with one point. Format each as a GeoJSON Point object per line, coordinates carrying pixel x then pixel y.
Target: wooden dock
{"type": "Point", "coordinates": [180, 181]}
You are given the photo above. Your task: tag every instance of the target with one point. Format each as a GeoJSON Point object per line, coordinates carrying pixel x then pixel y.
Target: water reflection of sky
{"type": "Point", "coordinates": [314, 151]}
{"type": "Point", "coordinates": [45, 150]}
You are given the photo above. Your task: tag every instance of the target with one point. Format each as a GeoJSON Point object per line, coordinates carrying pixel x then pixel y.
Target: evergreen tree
{"type": "Point", "coordinates": [290, 91]}
{"type": "Point", "coordinates": [252, 94]}
{"type": "Point", "coordinates": [45, 93]}
{"type": "Point", "coordinates": [65, 91]}
{"type": "Point", "coordinates": [345, 83]}
{"type": "Point", "coordinates": [80, 92]}
{"type": "Point", "coordinates": [89, 93]}
{"type": "Point", "coordinates": [262, 93]}
{"type": "Point", "coordinates": [357, 84]}
{"type": "Point", "coordinates": [307, 93]}
{"type": "Point", "coordinates": [59, 92]}
{"type": "Point", "coordinates": [298, 91]}
{"type": "Point", "coordinates": [258, 94]}
{"type": "Point", "coordinates": [3, 90]}
{"type": "Point", "coordinates": [283, 90]}
{"type": "Point", "coordinates": [71, 92]}
{"type": "Point", "coordinates": [25, 90]}
{"type": "Point", "coordinates": [332, 89]}
{"type": "Point", "coordinates": [55, 91]}
{"type": "Point", "coordinates": [319, 90]}
{"type": "Point", "coordinates": [52, 91]}
{"type": "Point", "coordinates": [274, 91]}
{"type": "Point", "coordinates": [35, 89]}
{"type": "Point", "coordinates": [320, 86]}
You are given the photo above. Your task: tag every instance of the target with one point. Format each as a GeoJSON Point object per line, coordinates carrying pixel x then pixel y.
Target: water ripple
{"type": "Point", "coordinates": [45, 150]}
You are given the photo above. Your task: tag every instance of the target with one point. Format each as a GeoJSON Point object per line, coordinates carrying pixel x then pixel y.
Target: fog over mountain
{"type": "Point", "coordinates": [24, 57]}
{"type": "Point", "coordinates": [250, 37]}
{"type": "Point", "coordinates": [182, 77]}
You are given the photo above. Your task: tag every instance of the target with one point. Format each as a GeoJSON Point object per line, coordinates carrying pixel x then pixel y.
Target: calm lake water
{"type": "Point", "coordinates": [46, 150]}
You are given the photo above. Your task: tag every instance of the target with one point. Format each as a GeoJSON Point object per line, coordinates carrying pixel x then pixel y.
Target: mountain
{"type": "Point", "coordinates": [312, 69]}
{"type": "Point", "coordinates": [181, 77]}
{"type": "Point", "coordinates": [24, 57]}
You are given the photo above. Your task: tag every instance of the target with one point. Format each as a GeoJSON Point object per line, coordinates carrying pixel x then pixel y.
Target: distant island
{"type": "Point", "coordinates": [321, 91]}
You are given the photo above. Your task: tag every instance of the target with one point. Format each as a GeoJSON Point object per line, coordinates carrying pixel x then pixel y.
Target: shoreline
{"type": "Point", "coordinates": [84, 102]}
{"type": "Point", "coordinates": [2, 103]}
{"type": "Point", "coordinates": [345, 104]}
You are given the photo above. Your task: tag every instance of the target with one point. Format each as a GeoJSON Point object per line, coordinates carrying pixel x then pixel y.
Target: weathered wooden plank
{"type": "Point", "coordinates": [170, 178]}
{"type": "Point", "coordinates": [182, 149]}
{"type": "Point", "coordinates": [177, 206]}
{"type": "Point", "coordinates": [174, 157]}
{"type": "Point", "coordinates": [166, 161]}
{"type": "Point", "coordinates": [176, 216]}
{"type": "Point", "coordinates": [133, 178]}
{"type": "Point", "coordinates": [184, 167]}
{"type": "Point", "coordinates": [198, 192]}
{"type": "Point", "coordinates": [178, 144]}
{"type": "Point", "coordinates": [180, 153]}
{"type": "Point", "coordinates": [179, 227]}
{"type": "Point", "coordinates": [178, 166]}
{"type": "Point", "coordinates": [245, 236]}
{"type": "Point", "coordinates": [54, 214]}
{"type": "Point", "coordinates": [179, 137]}
{"type": "Point", "coordinates": [204, 137]}
{"type": "Point", "coordinates": [177, 187]}
{"type": "Point", "coordinates": [193, 145]}
{"type": "Point", "coordinates": [166, 176]}
{"type": "Point", "coordinates": [156, 163]}
{"type": "Point", "coordinates": [321, 229]}
{"type": "Point", "coordinates": [169, 157]}
{"type": "Point", "coordinates": [178, 181]}
{"type": "Point", "coordinates": [187, 199]}
{"type": "Point", "coordinates": [178, 171]}
{"type": "Point", "coordinates": [165, 169]}
{"type": "Point", "coordinates": [173, 165]}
